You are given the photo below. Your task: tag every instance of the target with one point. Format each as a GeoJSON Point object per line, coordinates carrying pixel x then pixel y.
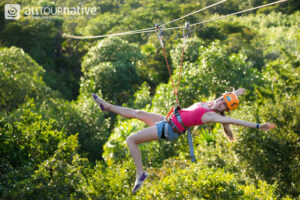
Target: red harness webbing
{"type": "Point", "coordinates": [185, 36]}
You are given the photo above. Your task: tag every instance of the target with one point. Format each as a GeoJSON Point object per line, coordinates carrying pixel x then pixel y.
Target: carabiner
{"type": "Point", "coordinates": [159, 33]}
{"type": "Point", "coordinates": [186, 30]}
{"type": "Point", "coordinates": [159, 30]}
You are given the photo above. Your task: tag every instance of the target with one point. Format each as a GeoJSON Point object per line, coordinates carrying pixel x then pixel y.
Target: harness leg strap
{"type": "Point", "coordinates": [190, 141]}
{"type": "Point", "coordinates": [166, 131]}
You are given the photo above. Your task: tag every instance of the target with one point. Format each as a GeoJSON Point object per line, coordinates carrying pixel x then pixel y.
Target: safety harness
{"type": "Point", "coordinates": [175, 109]}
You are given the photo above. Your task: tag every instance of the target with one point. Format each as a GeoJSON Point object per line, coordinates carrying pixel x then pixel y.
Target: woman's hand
{"type": "Point", "coordinates": [240, 91]}
{"type": "Point", "coordinates": [266, 127]}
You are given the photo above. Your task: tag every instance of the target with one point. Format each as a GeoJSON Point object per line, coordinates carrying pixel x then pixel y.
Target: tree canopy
{"type": "Point", "coordinates": [56, 144]}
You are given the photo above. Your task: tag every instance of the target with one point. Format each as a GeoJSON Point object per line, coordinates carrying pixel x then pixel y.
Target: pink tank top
{"type": "Point", "coordinates": [191, 116]}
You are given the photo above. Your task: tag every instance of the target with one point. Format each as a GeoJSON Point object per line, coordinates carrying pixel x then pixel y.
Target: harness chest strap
{"type": "Point", "coordinates": [177, 114]}
{"type": "Point", "coordinates": [166, 131]}
{"type": "Point", "coordinates": [190, 139]}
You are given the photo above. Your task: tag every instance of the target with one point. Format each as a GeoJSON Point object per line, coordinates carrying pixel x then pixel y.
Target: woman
{"type": "Point", "coordinates": [171, 128]}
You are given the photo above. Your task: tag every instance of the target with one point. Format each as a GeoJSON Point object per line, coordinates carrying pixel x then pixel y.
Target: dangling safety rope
{"type": "Point", "coordinates": [186, 34]}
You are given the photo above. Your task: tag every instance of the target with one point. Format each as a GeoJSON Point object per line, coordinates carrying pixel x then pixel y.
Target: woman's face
{"type": "Point", "coordinates": [221, 104]}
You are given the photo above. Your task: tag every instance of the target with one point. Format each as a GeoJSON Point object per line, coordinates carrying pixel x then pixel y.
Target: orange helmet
{"type": "Point", "coordinates": [231, 99]}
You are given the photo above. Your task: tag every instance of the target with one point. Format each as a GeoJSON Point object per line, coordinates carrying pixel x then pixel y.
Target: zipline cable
{"type": "Point", "coordinates": [194, 12]}
{"type": "Point", "coordinates": [145, 30]}
{"type": "Point", "coordinates": [236, 13]}
{"type": "Point", "coordinates": [221, 17]}
{"type": "Point", "coordinates": [149, 30]}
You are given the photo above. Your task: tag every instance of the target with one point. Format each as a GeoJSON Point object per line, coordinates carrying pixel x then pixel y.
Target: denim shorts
{"type": "Point", "coordinates": [160, 128]}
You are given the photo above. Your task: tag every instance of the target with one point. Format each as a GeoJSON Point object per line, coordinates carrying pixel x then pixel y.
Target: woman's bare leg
{"type": "Point", "coordinates": [148, 118]}
{"type": "Point", "coordinates": [145, 135]}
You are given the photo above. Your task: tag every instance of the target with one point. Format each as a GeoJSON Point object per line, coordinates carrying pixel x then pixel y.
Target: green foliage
{"type": "Point", "coordinates": [116, 81]}
{"type": "Point", "coordinates": [43, 158]}
{"type": "Point", "coordinates": [112, 182]}
{"type": "Point", "coordinates": [81, 117]}
{"type": "Point", "coordinates": [226, 31]}
{"type": "Point", "coordinates": [66, 77]}
{"type": "Point", "coordinates": [34, 138]}
{"type": "Point", "coordinates": [199, 184]}
{"type": "Point", "coordinates": [93, 128]}
{"type": "Point", "coordinates": [152, 68]}
{"type": "Point", "coordinates": [272, 156]}
{"type": "Point", "coordinates": [110, 50]}
{"type": "Point", "coordinates": [142, 96]}
{"type": "Point", "coordinates": [191, 51]}
{"type": "Point", "coordinates": [101, 24]}
{"type": "Point", "coordinates": [43, 45]}
{"type": "Point", "coordinates": [39, 161]}
{"type": "Point", "coordinates": [62, 176]}
{"type": "Point", "coordinates": [24, 145]}
{"type": "Point", "coordinates": [283, 76]}
{"type": "Point", "coordinates": [20, 77]}
{"type": "Point", "coordinates": [110, 67]}
{"type": "Point", "coordinates": [222, 70]}
{"type": "Point", "coordinates": [195, 182]}
{"type": "Point", "coordinates": [40, 44]}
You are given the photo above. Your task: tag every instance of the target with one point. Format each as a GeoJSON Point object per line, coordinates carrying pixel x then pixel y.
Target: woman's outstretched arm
{"type": "Point", "coordinates": [216, 118]}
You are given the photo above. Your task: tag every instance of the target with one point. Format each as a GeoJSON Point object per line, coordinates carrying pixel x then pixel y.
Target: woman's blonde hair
{"type": "Point", "coordinates": [226, 127]}
{"type": "Point", "coordinates": [227, 130]}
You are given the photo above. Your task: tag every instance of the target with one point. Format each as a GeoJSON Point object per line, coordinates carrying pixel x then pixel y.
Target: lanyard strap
{"type": "Point", "coordinates": [189, 135]}
{"type": "Point", "coordinates": [186, 34]}
{"type": "Point", "coordinates": [190, 141]}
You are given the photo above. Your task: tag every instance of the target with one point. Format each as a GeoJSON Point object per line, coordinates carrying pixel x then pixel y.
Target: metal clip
{"type": "Point", "coordinates": [159, 30]}
{"type": "Point", "coordinates": [159, 33]}
{"type": "Point", "coordinates": [186, 30]}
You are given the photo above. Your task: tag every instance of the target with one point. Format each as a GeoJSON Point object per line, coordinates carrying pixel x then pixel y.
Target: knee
{"type": "Point", "coordinates": [129, 140]}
